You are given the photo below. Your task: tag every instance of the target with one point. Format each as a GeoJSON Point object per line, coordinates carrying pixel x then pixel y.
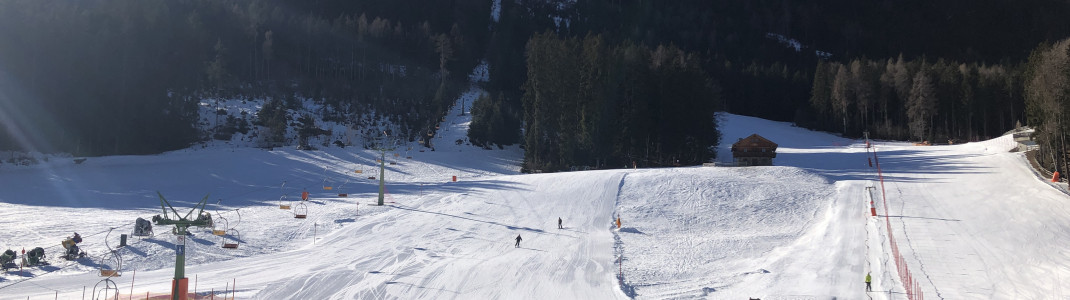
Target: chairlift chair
{"type": "Point", "coordinates": [111, 256]}
{"type": "Point", "coordinates": [107, 270]}
{"type": "Point", "coordinates": [109, 289]}
{"type": "Point", "coordinates": [283, 197]}
{"type": "Point", "coordinates": [235, 235]}
{"type": "Point", "coordinates": [326, 182]}
{"type": "Point", "coordinates": [281, 201]}
{"type": "Point", "coordinates": [300, 211]}
{"type": "Point", "coordinates": [220, 230]}
{"type": "Point", "coordinates": [343, 195]}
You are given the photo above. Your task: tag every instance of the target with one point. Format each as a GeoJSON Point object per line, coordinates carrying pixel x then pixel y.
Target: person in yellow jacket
{"type": "Point", "coordinates": [869, 281]}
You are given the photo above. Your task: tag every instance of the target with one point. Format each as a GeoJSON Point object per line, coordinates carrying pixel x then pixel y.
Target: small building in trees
{"type": "Point", "coordinates": [754, 150]}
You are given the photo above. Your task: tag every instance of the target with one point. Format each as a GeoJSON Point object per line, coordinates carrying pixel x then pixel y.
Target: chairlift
{"type": "Point", "coordinates": [221, 230]}
{"type": "Point", "coordinates": [300, 211]}
{"type": "Point", "coordinates": [111, 256]}
{"type": "Point", "coordinates": [343, 195]}
{"type": "Point", "coordinates": [109, 290]}
{"type": "Point", "coordinates": [326, 181]}
{"type": "Point", "coordinates": [283, 204]}
{"type": "Point", "coordinates": [234, 234]}
{"type": "Point", "coordinates": [282, 200]}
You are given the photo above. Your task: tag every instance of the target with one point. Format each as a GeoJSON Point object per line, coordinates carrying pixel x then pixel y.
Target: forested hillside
{"type": "Point", "coordinates": [907, 70]}
{"type": "Point", "coordinates": [126, 76]}
{"type": "Point", "coordinates": [577, 83]}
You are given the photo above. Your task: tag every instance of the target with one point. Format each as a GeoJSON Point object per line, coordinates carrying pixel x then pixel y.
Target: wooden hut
{"type": "Point", "coordinates": [754, 150]}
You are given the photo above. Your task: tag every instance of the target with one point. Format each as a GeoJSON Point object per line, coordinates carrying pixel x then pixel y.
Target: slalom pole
{"type": "Point", "coordinates": [132, 284]}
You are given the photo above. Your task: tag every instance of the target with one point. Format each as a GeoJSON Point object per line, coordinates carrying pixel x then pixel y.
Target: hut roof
{"type": "Point", "coordinates": [754, 141]}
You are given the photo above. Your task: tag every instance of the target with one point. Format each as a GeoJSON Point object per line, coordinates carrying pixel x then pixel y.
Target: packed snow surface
{"type": "Point", "coordinates": [972, 220]}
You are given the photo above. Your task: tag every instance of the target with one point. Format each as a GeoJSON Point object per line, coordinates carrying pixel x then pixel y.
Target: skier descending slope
{"type": "Point", "coordinates": [518, 239]}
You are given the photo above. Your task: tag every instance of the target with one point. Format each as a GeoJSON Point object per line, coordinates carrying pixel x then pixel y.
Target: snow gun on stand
{"type": "Point", "coordinates": [71, 245]}
{"type": "Point", "coordinates": [35, 257]}
{"type": "Point", "coordinates": [7, 260]}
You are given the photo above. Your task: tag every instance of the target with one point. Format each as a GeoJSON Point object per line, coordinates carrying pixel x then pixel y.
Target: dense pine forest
{"type": "Point", "coordinates": [577, 83]}
{"type": "Point", "coordinates": [125, 76]}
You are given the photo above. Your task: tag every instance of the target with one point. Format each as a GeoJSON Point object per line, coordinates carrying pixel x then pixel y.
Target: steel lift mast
{"type": "Point", "coordinates": [180, 285]}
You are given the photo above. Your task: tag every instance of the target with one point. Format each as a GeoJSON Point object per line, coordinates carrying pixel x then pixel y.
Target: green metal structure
{"type": "Point", "coordinates": [382, 173]}
{"type": "Point", "coordinates": [382, 167]}
{"type": "Point", "coordinates": [181, 224]}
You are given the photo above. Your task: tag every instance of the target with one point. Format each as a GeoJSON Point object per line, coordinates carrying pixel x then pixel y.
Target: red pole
{"type": "Point", "coordinates": [132, 284]}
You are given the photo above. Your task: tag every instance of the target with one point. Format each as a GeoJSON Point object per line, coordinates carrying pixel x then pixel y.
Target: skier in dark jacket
{"type": "Point", "coordinates": [559, 223]}
{"type": "Point", "coordinates": [518, 239]}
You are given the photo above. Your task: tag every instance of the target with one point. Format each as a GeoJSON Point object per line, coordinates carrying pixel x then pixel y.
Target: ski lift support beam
{"type": "Point", "coordinates": [181, 224]}
{"type": "Point", "coordinates": [382, 166]}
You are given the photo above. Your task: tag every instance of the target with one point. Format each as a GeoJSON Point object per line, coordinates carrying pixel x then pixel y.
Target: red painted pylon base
{"type": "Point", "coordinates": [179, 288]}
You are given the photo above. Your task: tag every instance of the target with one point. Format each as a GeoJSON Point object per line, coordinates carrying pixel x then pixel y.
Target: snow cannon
{"type": "Point", "coordinates": [142, 227]}
{"type": "Point", "coordinates": [7, 259]}
{"type": "Point", "coordinates": [71, 244]}
{"type": "Point", "coordinates": [205, 217]}
{"type": "Point", "coordinates": [35, 257]}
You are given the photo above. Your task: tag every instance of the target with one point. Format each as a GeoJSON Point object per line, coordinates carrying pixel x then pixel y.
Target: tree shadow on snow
{"type": "Point", "coordinates": [896, 165]}
{"type": "Point", "coordinates": [511, 227]}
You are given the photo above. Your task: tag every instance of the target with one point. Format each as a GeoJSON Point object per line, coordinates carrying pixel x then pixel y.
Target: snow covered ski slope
{"type": "Point", "coordinates": [972, 221]}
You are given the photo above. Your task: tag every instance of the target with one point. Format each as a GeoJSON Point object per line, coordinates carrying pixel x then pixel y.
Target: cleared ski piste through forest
{"type": "Point", "coordinates": [972, 221]}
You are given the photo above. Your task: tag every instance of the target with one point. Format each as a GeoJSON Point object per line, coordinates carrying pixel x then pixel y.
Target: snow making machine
{"type": "Point", "coordinates": [35, 257]}
{"type": "Point", "coordinates": [7, 260]}
{"type": "Point", "coordinates": [71, 245]}
{"type": "Point", "coordinates": [142, 228]}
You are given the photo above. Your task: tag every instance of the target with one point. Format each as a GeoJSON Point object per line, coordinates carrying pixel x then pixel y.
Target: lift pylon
{"type": "Point", "coordinates": [180, 284]}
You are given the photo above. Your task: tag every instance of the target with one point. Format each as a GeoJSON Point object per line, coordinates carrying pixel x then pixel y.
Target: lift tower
{"type": "Point", "coordinates": [180, 285]}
